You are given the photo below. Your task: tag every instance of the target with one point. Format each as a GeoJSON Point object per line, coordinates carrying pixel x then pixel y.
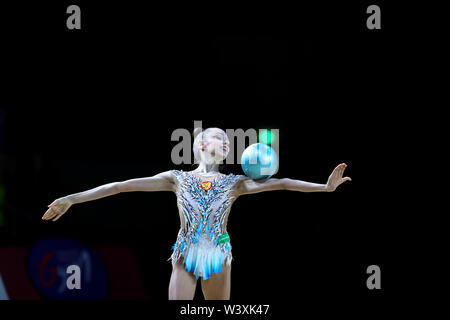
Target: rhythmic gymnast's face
{"type": "Point", "coordinates": [215, 146]}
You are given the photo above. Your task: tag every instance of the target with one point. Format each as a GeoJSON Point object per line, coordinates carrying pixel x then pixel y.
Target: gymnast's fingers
{"type": "Point", "coordinates": [51, 213]}
{"type": "Point", "coordinates": [47, 214]}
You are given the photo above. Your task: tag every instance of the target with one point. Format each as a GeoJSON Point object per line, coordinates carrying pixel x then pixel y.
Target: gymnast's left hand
{"type": "Point", "coordinates": [336, 179]}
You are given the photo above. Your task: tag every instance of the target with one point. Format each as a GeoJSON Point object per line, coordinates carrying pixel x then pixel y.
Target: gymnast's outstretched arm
{"type": "Point", "coordinates": [249, 186]}
{"type": "Point", "coordinates": [160, 182]}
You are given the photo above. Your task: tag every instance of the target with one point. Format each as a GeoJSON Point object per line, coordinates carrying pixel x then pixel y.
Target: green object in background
{"type": "Point", "coordinates": [266, 136]}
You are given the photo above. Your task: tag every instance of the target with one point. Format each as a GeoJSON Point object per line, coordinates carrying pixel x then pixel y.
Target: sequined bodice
{"type": "Point", "coordinates": [204, 203]}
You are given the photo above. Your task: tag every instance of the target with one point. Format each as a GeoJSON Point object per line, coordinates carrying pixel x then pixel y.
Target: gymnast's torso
{"type": "Point", "coordinates": [204, 203]}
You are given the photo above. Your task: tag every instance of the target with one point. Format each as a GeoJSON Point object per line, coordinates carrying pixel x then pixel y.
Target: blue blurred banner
{"type": "Point", "coordinates": [42, 272]}
{"type": "Point", "coordinates": [50, 264]}
{"type": "Point", "coordinates": [3, 293]}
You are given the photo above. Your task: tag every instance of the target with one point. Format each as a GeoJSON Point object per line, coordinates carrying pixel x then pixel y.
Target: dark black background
{"type": "Point", "coordinates": [97, 105]}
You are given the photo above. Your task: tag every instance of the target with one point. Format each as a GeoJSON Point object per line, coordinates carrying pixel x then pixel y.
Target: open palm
{"type": "Point", "coordinates": [336, 179]}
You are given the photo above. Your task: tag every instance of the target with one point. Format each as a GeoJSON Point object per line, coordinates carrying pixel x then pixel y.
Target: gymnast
{"type": "Point", "coordinates": [204, 199]}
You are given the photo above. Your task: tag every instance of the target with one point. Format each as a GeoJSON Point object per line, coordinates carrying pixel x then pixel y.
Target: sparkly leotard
{"type": "Point", "coordinates": [204, 205]}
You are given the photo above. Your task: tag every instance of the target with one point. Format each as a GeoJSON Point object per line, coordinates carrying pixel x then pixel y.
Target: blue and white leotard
{"type": "Point", "coordinates": [204, 205]}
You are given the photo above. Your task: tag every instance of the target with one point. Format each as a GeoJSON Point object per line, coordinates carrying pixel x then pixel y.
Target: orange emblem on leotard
{"type": "Point", "coordinates": [206, 185]}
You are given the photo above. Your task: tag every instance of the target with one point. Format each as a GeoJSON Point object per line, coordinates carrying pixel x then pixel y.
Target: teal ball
{"type": "Point", "coordinates": [259, 161]}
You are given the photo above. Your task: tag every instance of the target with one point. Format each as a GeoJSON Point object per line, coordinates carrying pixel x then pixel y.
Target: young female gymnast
{"type": "Point", "coordinates": [204, 199]}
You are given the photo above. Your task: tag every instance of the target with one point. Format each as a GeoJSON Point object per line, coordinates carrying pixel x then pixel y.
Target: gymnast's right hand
{"type": "Point", "coordinates": [57, 208]}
